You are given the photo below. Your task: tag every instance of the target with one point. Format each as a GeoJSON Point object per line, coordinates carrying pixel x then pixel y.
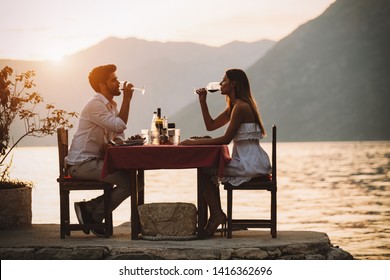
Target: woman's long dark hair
{"type": "Point", "coordinates": [243, 92]}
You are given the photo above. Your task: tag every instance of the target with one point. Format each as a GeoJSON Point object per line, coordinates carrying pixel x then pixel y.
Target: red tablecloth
{"type": "Point", "coordinates": [166, 157]}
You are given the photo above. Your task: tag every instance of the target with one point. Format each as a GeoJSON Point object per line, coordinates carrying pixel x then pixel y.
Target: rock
{"type": "Point", "coordinates": [17, 253]}
{"type": "Point", "coordinates": [42, 242]}
{"type": "Point", "coordinates": [71, 253]}
{"type": "Point", "coordinates": [336, 253]}
{"type": "Point", "coordinates": [168, 219]}
{"type": "Point", "coordinates": [15, 208]}
{"type": "Point", "coordinates": [251, 253]}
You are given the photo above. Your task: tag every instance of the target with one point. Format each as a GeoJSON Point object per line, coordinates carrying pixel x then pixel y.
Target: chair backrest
{"type": "Point", "coordinates": [62, 137]}
{"type": "Point", "coordinates": [273, 153]}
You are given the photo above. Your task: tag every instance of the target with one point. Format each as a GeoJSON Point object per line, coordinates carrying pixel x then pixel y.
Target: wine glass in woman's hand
{"type": "Point", "coordinates": [210, 87]}
{"type": "Point", "coordinates": [213, 87]}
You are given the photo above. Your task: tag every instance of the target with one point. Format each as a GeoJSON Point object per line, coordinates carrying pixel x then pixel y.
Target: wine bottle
{"type": "Point", "coordinates": [165, 122]}
{"type": "Point", "coordinates": [163, 138]}
{"type": "Point", "coordinates": [153, 130]}
{"type": "Point", "coordinates": [158, 124]}
{"type": "Point", "coordinates": [171, 133]}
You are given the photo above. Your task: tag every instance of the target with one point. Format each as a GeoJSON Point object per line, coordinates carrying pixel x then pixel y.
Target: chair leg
{"type": "Point", "coordinates": [107, 211]}
{"type": "Point", "coordinates": [273, 213]}
{"type": "Point", "coordinates": [64, 213]}
{"type": "Point", "coordinates": [229, 213]}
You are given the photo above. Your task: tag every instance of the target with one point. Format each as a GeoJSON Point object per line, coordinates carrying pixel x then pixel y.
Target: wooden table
{"type": "Point", "coordinates": [136, 159]}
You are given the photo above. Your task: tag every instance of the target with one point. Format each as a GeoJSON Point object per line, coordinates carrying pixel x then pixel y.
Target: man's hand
{"type": "Point", "coordinates": [128, 91]}
{"type": "Point", "coordinates": [117, 141]}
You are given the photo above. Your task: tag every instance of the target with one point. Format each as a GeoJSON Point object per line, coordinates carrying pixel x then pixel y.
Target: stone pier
{"type": "Point", "coordinates": [42, 242]}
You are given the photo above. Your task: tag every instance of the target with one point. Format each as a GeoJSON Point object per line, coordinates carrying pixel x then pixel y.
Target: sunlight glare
{"type": "Point", "coordinates": [56, 57]}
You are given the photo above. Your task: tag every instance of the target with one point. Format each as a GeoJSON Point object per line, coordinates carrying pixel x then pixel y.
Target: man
{"type": "Point", "coordinates": [100, 122]}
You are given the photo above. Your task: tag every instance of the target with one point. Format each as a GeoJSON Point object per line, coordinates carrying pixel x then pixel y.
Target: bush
{"type": "Point", "coordinates": [16, 100]}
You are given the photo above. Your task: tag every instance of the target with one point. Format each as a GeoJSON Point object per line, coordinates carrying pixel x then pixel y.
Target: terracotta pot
{"type": "Point", "coordinates": [15, 208]}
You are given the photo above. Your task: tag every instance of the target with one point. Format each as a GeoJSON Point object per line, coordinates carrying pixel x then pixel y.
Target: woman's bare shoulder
{"type": "Point", "coordinates": [242, 106]}
{"type": "Point", "coordinates": [244, 110]}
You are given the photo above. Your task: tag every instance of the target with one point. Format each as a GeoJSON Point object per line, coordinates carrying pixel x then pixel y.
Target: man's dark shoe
{"type": "Point", "coordinates": [83, 216]}
{"type": "Point", "coordinates": [98, 232]}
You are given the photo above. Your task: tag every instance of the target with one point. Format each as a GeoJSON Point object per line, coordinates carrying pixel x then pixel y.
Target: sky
{"type": "Point", "coordinates": [51, 29]}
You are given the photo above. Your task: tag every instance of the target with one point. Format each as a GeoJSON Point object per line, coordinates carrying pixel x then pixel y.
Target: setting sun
{"type": "Point", "coordinates": [56, 57]}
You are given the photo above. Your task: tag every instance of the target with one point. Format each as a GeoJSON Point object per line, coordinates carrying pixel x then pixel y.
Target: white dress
{"type": "Point", "coordinates": [249, 160]}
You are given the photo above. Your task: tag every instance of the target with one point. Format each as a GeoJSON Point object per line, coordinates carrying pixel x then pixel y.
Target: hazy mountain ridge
{"type": "Point", "coordinates": [326, 81]}
{"type": "Point", "coordinates": [168, 70]}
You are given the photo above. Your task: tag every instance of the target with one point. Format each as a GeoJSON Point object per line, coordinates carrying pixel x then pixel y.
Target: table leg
{"type": "Point", "coordinates": [141, 186]}
{"type": "Point", "coordinates": [135, 228]}
{"type": "Point", "coordinates": [202, 204]}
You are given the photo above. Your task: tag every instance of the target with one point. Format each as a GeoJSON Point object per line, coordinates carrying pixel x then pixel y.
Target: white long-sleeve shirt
{"type": "Point", "coordinates": [99, 123]}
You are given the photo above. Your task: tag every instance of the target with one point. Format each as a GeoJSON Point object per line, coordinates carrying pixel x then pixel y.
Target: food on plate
{"type": "Point", "coordinates": [200, 137]}
{"type": "Point", "coordinates": [136, 137]}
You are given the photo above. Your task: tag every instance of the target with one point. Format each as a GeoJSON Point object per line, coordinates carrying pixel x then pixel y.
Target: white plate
{"type": "Point", "coordinates": [132, 142]}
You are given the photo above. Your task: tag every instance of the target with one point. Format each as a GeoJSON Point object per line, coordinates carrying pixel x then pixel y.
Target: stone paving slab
{"type": "Point", "coordinates": [42, 241]}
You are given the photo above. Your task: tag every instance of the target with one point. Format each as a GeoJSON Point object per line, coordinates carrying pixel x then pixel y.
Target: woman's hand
{"type": "Point", "coordinates": [202, 94]}
{"type": "Point", "coordinates": [187, 142]}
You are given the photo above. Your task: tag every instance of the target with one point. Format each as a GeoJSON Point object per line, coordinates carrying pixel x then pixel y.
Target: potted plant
{"type": "Point", "coordinates": [16, 100]}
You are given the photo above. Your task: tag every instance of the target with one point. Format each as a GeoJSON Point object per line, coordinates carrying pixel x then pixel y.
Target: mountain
{"type": "Point", "coordinates": [168, 70]}
{"type": "Point", "coordinates": [329, 80]}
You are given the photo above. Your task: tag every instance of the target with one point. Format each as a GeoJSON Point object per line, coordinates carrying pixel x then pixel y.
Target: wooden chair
{"type": "Point", "coordinates": [261, 183]}
{"type": "Point", "coordinates": [67, 184]}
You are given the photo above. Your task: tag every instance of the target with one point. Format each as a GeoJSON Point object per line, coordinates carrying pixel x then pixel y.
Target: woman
{"type": "Point", "coordinates": [245, 128]}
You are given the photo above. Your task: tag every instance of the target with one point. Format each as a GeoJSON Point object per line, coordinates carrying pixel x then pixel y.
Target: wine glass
{"type": "Point", "coordinates": [142, 90]}
{"type": "Point", "coordinates": [211, 87]}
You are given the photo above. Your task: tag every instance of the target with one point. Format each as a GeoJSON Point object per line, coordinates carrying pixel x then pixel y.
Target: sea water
{"type": "Point", "coordinates": [340, 188]}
